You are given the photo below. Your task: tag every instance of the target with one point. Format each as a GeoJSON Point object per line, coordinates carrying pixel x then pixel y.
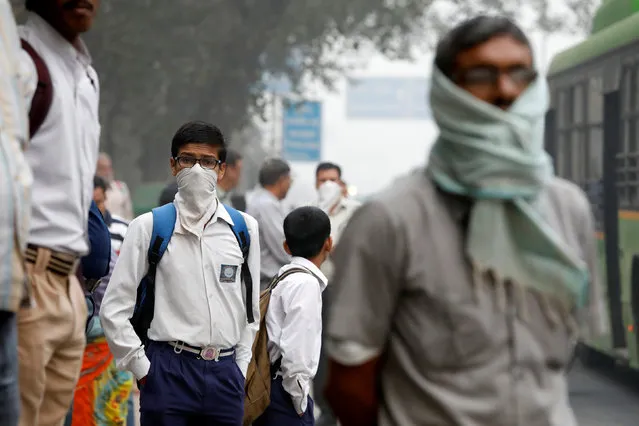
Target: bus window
{"type": "Point", "coordinates": [595, 101]}
{"type": "Point", "coordinates": [595, 154]}
{"type": "Point", "coordinates": [578, 104]}
{"type": "Point", "coordinates": [626, 90]}
{"type": "Point", "coordinates": [578, 154]}
{"type": "Point", "coordinates": [566, 148]}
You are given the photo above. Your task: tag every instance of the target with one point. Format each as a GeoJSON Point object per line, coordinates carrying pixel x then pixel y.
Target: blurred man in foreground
{"type": "Point", "coordinates": [62, 154]}
{"type": "Point", "coordinates": [14, 209]}
{"type": "Point", "coordinates": [456, 293]}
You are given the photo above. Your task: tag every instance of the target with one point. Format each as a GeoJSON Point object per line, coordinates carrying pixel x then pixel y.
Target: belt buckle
{"type": "Point", "coordinates": [209, 353]}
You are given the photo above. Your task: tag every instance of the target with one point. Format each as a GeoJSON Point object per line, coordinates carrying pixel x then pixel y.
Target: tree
{"type": "Point", "coordinates": [167, 61]}
{"type": "Point", "coordinates": [163, 62]}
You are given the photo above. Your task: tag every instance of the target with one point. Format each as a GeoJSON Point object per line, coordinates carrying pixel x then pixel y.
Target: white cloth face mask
{"type": "Point", "coordinates": [196, 196]}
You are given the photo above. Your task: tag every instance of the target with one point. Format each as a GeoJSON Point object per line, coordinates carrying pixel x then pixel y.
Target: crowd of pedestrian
{"type": "Point", "coordinates": [451, 298]}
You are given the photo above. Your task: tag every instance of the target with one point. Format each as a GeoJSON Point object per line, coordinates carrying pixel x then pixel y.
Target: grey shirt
{"type": "Point", "coordinates": [268, 212]}
{"type": "Point", "coordinates": [452, 356]}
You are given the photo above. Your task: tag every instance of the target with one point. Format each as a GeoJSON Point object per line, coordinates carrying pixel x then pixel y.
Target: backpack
{"type": "Point", "coordinates": [43, 96]}
{"type": "Point", "coordinates": [163, 224]}
{"type": "Point", "coordinates": [260, 370]}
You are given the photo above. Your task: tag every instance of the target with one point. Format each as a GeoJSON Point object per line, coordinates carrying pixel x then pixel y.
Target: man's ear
{"type": "Point", "coordinates": [174, 166]}
{"type": "Point", "coordinates": [286, 248]}
{"type": "Point", "coordinates": [328, 244]}
{"type": "Point", "coordinates": [221, 171]}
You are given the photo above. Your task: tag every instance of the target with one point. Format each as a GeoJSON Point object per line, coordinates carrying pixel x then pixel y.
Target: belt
{"type": "Point", "coordinates": [207, 353]}
{"type": "Point", "coordinates": [59, 263]}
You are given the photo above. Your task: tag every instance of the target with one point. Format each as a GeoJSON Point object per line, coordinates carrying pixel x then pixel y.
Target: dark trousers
{"type": "Point", "coordinates": [9, 391]}
{"type": "Point", "coordinates": [182, 390]}
{"type": "Point", "coordinates": [281, 411]}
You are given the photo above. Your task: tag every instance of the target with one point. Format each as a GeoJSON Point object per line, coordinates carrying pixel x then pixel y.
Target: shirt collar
{"type": "Point", "coordinates": [54, 40]}
{"type": "Point", "coordinates": [307, 264]}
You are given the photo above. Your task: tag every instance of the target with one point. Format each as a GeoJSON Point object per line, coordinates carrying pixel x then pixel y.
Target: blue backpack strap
{"type": "Point", "coordinates": [164, 218]}
{"type": "Point", "coordinates": [240, 230]}
{"type": "Point", "coordinates": [163, 224]}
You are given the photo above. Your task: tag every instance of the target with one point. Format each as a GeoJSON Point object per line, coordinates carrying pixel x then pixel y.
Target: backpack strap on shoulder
{"type": "Point", "coordinates": [163, 224]}
{"type": "Point", "coordinates": [240, 230]}
{"type": "Point", "coordinates": [43, 96]}
{"type": "Point", "coordinates": [164, 218]}
{"type": "Point", "coordinates": [278, 278]}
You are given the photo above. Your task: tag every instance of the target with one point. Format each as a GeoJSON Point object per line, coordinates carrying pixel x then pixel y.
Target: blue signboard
{"type": "Point", "coordinates": [388, 98]}
{"type": "Point", "coordinates": [302, 131]}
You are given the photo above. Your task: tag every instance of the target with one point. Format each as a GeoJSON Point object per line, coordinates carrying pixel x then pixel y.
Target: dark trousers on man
{"type": "Point", "coordinates": [182, 389]}
{"type": "Point", "coordinates": [9, 392]}
{"type": "Point", "coordinates": [282, 412]}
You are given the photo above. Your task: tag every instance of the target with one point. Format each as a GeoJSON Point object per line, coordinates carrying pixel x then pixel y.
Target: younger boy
{"type": "Point", "coordinates": [294, 319]}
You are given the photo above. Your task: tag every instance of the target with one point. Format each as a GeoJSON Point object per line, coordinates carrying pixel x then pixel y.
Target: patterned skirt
{"type": "Point", "coordinates": [102, 393]}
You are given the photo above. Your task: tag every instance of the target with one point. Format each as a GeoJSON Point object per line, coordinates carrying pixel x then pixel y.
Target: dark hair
{"type": "Point", "coordinates": [306, 230]}
{"type": "Point", "coordinates": [99, 182]}
{"type": "Point", "coordinates": [328, 166]}
{"type": "Point", "coordinates": [471, 33]}
{"type": "Point", "coordinates": [199, 132]}
{"type": "Point", "coordinates": [272, 170]}
{"type": "Point", "coordinates": [30, 4]}
{"type": "Point", "coordinates": [232, 157]}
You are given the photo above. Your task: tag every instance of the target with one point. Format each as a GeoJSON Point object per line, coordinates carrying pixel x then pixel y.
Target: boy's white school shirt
{"type": "Point", "coordinates": [294, 325]}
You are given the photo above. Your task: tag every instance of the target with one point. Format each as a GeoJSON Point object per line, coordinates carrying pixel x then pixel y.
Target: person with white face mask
{"type": "Point", "coordinates": [192, 365]}
{"type": "Point", "coordinates": [331, 199]}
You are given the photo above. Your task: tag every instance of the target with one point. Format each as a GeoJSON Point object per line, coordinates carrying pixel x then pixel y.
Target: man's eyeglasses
{"type": "Point", "coordinates": [489, 76]}
{"type": "Point", "coordinates": [206, 162]}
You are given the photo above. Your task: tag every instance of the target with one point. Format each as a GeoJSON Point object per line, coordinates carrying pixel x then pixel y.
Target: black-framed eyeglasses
{"type": "Point", "coordinates": [187, 161]}
{"type": "Point", "coordinates": [489, 76]}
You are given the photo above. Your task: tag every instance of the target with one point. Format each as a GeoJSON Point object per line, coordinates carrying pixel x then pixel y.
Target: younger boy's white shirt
{"type": "Point", "coordinates": [294, 325]}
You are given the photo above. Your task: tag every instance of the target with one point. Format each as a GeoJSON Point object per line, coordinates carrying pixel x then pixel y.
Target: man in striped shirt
{"type": "Point", "coordinates": [15, 185]}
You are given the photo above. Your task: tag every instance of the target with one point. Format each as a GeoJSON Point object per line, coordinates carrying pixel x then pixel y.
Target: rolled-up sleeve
{"type": "Point", "coordinates": [369, 270]}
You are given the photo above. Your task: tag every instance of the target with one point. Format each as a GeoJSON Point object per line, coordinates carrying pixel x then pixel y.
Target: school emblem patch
{"type": "Point", "coordinates": [228, 273]}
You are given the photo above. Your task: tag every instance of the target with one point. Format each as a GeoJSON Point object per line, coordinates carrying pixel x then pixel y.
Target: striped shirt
{"type": "Point", "coordinates": [117, 228]}
{"type": "Point", "coordinates": [15, 174]}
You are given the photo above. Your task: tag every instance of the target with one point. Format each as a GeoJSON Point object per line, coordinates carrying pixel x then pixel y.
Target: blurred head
{"type": "Point", "coordinates": [198, 143]}
{"type": "Point", "coordinates": [105, 167]}
{"type": "Point", "coordinates": [100, 187]}
{"type": "Point", "coordinates": [327, 172]}
{"type": "Point", "coordinates": [490, 57]}
{"type": "Point", "coordinates": [69, 17]}
{"type": "Point", "coordinates": [275, 176]}
{"type": "Point", "coordinates": [308, 234]}
{"type": "Point", "coordinates": [233, 170]}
